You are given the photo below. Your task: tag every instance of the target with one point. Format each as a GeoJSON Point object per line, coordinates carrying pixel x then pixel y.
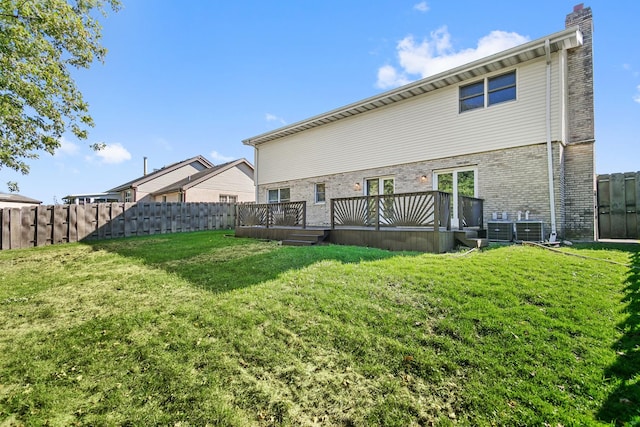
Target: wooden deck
{"type": "Point", "coordinates": [393, 239]}
{"type": "Point", "coordinates": [397, 222]}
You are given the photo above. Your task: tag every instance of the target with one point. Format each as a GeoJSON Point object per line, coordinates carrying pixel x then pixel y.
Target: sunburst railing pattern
{"type": "Point", "coordinates": [423, 209]}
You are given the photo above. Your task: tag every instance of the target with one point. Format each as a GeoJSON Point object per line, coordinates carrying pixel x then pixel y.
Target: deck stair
{"type": "Point", "coordinates": [306, 237]}
{"type": "Point", "coordinates": [470, 238]}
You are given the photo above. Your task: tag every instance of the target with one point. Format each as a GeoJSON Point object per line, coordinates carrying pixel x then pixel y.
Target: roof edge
{"type": "Point", "coordinates": [566, 39]}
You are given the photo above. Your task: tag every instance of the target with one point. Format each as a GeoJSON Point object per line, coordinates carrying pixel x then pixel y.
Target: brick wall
{"type": "Point", "coordinates": [580, 79]}
{"type": "Point", "coordinates": [508, 180]}
{"type": "Point", "coordinates": [580, 191]}
{"type": "Point", "coordinates": [579, 174]}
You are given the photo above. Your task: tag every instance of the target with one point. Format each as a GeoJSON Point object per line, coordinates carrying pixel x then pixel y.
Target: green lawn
{"type": "Point", "coordinates": [200, 328]}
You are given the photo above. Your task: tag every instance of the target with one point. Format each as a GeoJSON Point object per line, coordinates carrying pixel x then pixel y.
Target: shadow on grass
{"type": "Point", "coordinates": [218, 262]}
{"type": "Point", "coordinates": [623, 405]}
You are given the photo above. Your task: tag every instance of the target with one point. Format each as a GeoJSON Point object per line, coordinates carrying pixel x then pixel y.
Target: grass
{"type": "Point", "coordinates": [199, 328]}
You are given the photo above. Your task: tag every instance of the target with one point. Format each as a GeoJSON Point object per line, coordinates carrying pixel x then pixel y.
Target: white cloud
{"type": "Point", "coordinates": [273, 118]}
{"type": "Point", "coordinates": [637, 96]}
{"type": "Point", "coordinates": [113, 154]}
{"type": "Point", "coordinates": [436, 54]}
{"type": "Point", "coordinates": [388, 77]}
{"type": "Point", "coordinates": [219, 158]}
{"type": "Point", "coordinates": [67, 148]}
{"type": "Point", "coordinates": [422, 6]}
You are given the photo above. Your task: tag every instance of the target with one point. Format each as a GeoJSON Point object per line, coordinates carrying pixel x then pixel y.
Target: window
{"type": "Point", "coordinates": [225, 198]}
{"type": "Point", "coordinates": [127, 196]}
{"type": "Point", "coordinates": [499, 89]}
{"type": "Point", "coordinates": [278, 195]}
{"type": "Point", "coordinates": [502, 88]}
{"type": "Point", "coordinates": [320, 193]}
{"type": "Point", "coordinates": [373, 186]}
{"type": "Point", "coordinates": [472, 96]}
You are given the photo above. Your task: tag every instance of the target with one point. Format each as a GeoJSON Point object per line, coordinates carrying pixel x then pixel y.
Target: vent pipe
{"type": "Point", "coordinates": [145, 165]}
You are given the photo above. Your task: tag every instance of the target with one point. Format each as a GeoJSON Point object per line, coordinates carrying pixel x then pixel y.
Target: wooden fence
{"type": "Point", "coordinates": [49, 225]}
{"type": "Point", "coordinates": [619, 205]}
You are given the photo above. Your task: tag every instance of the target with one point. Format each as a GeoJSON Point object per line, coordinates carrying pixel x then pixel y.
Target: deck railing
{"type": "Point", "coordinates": [470, 211]}
{"type": "Point", "coordinates": [286, 214]}
{"type": "Point", "coordinates": [423, 209]}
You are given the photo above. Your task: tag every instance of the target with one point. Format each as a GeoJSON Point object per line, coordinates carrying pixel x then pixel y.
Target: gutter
{"type": "Point", "coordinates": [552, 201]}
{"type": "Point", "coordinates": [255, 170]}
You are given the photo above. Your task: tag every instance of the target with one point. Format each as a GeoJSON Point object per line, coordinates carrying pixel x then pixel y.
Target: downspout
{"type": "Point", "coordinates": [552, 199]}
{"type": "Point", "coordinates": [255, 171]}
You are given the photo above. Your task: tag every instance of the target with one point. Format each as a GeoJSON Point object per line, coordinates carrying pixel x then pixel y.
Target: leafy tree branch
{"type": "Point", "coordinates": [40, 42]}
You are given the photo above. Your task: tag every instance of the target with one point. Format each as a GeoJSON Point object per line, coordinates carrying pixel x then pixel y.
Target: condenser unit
{"type": "Point", "coordinates": [500, 231]}
{"type": "Point", "coordinates": [529, 231]}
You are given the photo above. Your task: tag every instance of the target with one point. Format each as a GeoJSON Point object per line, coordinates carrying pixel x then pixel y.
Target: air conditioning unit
{"type": "Point", "coordinates": [500, 231]}
{"type": "Point", "coordinates": [530, 231]}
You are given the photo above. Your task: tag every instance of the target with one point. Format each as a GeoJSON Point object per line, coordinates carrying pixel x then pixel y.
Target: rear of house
{"type": "Point", "coordinates": [514, 129]}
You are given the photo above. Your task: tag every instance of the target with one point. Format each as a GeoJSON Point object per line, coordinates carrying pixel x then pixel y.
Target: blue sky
{"type": "Point", "coordinates": [198, 77]}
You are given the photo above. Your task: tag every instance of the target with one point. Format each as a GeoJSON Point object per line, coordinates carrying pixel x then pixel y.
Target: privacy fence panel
{"type": "Point", "coordinates": [619, 205]}
{"type": "Point", "coordinates": [49, 225]}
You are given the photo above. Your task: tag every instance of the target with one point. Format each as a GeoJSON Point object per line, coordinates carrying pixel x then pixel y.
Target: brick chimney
{"type": "Point", "coordinates": [580, 78]}
{"type": "Point", "coordinates": [579, 159]}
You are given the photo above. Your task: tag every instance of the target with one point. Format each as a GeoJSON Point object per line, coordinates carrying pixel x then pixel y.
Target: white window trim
{"type": "Point", "coordinates": [279, 195]}
{"type": "Point", "coordinates": [315, 193]}
{"type": "Point", "coordinates": [381, 180]}
{"type": "Point", "coordinates": [455, 221]}
{"type": "Point", "coordinates": [485, 81]}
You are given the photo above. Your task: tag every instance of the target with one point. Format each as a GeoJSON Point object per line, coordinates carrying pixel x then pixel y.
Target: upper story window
{"type": "Point", "coordinates": [472, 96]}
{"type": "Point", "coordinates": [279, 195]}
{"type": "Point", "coordinates": [494, 90]}
{"type": "Point", "coordinates": [320, 193]}
{"type": "Point", "coordinates": [128, 196]}
{"type": "Point", "coordinates": [502, 88]}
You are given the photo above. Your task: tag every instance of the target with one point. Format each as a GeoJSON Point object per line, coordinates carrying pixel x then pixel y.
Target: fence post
{"type": "Point", "coordinates": [376, 198]}
{"type": "Point", "coordinates": [332, 213]}
{"type": "Point", "coordinates": [304, 214]}
{"type": "Point", "coordinates": [436, 221]}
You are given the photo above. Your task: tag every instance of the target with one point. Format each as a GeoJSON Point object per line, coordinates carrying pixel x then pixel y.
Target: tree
{"type": "Point", "coordinates": [41, 41]}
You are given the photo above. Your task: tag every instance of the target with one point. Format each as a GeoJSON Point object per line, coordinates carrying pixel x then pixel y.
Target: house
{"type": "Point", "coordinates": [192, 180]}
{"type": "Point", "coordinates": [8, 200]}
{"type": "Point", "coordinates": [230, 182]}
{"type": "Point", "coordinates": [514, 129]}
{"type": "Point", "coordinates": [86, 198]}
{"type": "Point", "coordinates": [140, 189]}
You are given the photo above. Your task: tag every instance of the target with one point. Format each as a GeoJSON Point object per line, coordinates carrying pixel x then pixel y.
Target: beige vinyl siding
{"type": "Point", "coordinates": [236, 181]}
{"type": "Point", "coordinates": [171, 197]}
{"type": "Point", "coordinates": [239, 178]}
{"type": "Point", "coordinates": [422, 128]}
{"type": "Point", "coordinates": [169, 178]}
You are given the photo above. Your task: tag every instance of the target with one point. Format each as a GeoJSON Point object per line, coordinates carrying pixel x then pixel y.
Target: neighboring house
{"type": "Point", "coordinates": [515, 129]}
{"type": "Point", "coordinates": [16, 201]}
{"type": "Point", "coordinates": [82, 199]}
{"type": "Point", "coordinates": [230, 183]}
{"type": "Point", "coordinates": [140, 189]}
